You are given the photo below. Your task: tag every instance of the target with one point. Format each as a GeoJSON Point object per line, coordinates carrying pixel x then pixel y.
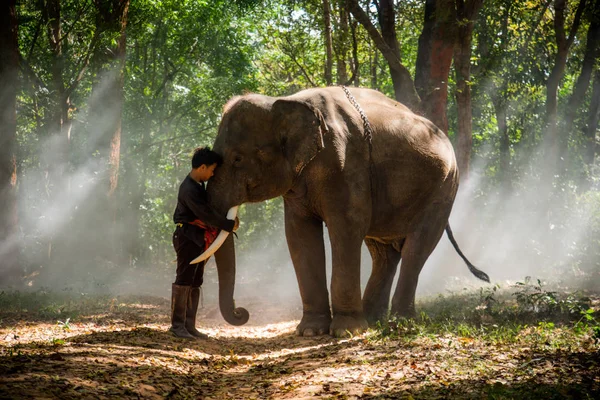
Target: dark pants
{"type": "Point", "coordinates": [188, 241]}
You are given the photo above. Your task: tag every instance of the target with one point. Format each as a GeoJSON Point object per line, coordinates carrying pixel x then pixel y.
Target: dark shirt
{"type": "Point", "coordinates": [192, 204]}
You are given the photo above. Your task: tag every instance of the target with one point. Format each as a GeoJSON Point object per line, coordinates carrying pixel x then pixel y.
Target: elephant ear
{"type": "Point", "coordinates": [301, 128]}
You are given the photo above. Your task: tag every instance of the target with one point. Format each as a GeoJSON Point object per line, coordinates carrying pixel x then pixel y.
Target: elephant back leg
{"type": "Point", "coordinates": [418, 246]}
{"type": "Point", "coordinates": [376, 298]}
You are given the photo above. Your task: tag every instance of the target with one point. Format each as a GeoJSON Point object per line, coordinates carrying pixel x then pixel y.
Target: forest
{"type": "Point", "coordinates": [102, 103]}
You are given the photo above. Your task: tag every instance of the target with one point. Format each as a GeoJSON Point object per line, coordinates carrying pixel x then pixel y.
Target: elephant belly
{"type": "Point", "coordinates": [403, 196]}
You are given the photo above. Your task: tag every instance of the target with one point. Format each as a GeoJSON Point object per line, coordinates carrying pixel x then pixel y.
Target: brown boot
{"type": "Point", "coordinates": [179, 298]}
{"type": "Point", "coordinates": [190, 313]}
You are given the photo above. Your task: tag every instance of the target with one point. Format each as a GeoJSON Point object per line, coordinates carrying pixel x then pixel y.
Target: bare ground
{"type": "Point", "coordinates": [120, 348]}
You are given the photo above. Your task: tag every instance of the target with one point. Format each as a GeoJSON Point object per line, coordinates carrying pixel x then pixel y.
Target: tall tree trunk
{"type": "Point", "coordinates": [500, 107]}
{"type": "Point", "coordinates": [465, 13]}
{"type": "Point", "coordinates": [106, 114]}
{"type": "Point", "coordinates": [328, 42]}
{"type": "Point", "coordinates": [355, 61]}
{"type": "Point", "coordinates": [404, 87]}
{"type": "Point", "coordinates": [374, 60]}
{"type": "Point", "coordinates": [341, 50]}
{"type": "Point", "coordinates": [591, 146]}
{"type": "Point", "coordinates": [563, 43]}
{"type": "Point", "coordinates": [592, 52]}
{"type": "Point", "coordinates": [115, 142]}
{"type": "Point", "coordinates": [9, 65]}
{"type": "Point", "coordinates": [59, 128]}
{"type": "Point", "coordinates": [434, 58]}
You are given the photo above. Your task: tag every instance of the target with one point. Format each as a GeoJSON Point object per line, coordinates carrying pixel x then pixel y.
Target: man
{"type": "Point", "coordinates": [197, 225]}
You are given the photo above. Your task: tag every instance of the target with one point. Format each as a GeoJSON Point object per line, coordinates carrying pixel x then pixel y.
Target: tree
{"type": "Point", "coordinates": [341, 44]}
{"type": "Point", "coordinates": [387, 43]}
{"type": "Point", "coordinates": [9, 65]}
{"type": "Point", "coordinates": [106, 112]}
{"type": "Point", "coordinates": [328, 42]}
{"type": "Point", "coordinates": [591, 55]}
{"type": "Point", "coordinates": [508, 73]}
{"type": "Point", "coordinates": [436, 47]}
{"type": "Point", "coordinates": [593, 118]}
{"type": "Point", "coordinates": [466, 11]}
{"type": "Point", "coordinates": [563, 44]}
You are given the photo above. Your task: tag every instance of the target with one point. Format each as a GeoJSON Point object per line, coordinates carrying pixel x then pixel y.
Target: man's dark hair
{"type": "Point", "coordinates": [205, 156]}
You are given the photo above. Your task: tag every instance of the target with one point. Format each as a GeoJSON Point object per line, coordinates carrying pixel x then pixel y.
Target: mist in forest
{"type": "Point", "coordinates": [508, 231]}
{"type": "Point", "coordinates": [504, 231]}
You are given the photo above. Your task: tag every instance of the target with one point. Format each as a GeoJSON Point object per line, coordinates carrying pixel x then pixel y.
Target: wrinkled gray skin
{"type": "Point", "coordinates": [310, 148]}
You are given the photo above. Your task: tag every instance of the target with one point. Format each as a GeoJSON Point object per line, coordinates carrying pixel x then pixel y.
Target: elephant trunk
{"type": "Point", "coordinates": [225, 259]}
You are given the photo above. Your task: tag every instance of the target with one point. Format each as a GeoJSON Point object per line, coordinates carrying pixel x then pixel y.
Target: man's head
{"type": "Point", "coordinates": [204, 163]}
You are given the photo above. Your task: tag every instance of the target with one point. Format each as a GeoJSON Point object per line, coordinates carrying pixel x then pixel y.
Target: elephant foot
{"type": "Point", "coordinates": [347, 325]}
{"type": "Point", "coordinates": [375, 314]}
{"type": "Point", "coordinates": [313, 325]}
{"type": "Point", "coordinates": [404, 312]}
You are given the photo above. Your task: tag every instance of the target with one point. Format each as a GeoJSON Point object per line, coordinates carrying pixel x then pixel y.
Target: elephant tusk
{"type": "Point", "coordinates": [231, 214]}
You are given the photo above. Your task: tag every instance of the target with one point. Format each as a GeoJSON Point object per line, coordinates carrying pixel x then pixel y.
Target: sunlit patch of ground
{"type": "Point", "coordinates": [120, 348]}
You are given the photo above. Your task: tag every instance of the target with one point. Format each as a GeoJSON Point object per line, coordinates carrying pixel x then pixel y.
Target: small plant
{"type": "Point", "coordinates": [534, 298]}
{"type": "Point", "coordinates": [64, 324]}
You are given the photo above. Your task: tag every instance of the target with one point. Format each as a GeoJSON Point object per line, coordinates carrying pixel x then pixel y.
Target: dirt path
{"type": "Point", "coordinates": [123, 350]}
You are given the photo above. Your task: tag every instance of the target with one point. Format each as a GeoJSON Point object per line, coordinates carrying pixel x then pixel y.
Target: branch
{"type": "Point", "coordinates": [147, 146]}
{"type": "Point", "coordinates": [411, 96]}
{"type": "Point", "coordinates": [35, 37]}
{"type": "Point", "coordinates": [26, 69]}
{"type": "Point", "coordinates": [535, 27]}
{"type": "Point", "coordinates": [292, 56]}
{"type": "Point", "coordinates": [362, 17]}
{"type": "Point", "coordinates": [576, 23]}
{"type": "Point", "coordinates": [85, 64]}
{"type": "Point", "coordinates": [171, 75]}
{"type": "Point", "coordinates": [76, 19]}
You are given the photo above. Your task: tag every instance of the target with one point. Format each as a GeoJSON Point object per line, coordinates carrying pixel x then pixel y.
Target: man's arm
{"type": "Point", "coordinates": [207, 215]}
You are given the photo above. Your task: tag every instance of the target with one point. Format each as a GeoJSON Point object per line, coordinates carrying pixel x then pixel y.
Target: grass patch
{"type": "Point", "coordinates": [524, 311]}
{"type": "Point", "coordinates": [63, 307]}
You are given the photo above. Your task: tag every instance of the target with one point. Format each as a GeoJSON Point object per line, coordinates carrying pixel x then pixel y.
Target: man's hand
{"type": "Point", "coordinates": [236, 225]}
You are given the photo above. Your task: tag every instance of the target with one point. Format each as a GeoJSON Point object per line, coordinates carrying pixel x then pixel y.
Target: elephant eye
{"type": "Point", "coordinates": [237, 159]}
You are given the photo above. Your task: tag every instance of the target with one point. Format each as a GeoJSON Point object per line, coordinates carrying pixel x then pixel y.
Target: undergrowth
{"type": "Point", "coordinates": [501, 315]}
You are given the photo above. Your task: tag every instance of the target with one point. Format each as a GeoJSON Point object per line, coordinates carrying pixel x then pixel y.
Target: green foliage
{"type": "Point", "coordinates": [497, 316]}
{"type": "Point", "coordinates": [185, 59]}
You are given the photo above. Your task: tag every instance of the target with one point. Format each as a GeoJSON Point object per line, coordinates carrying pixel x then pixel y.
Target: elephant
{"type": "Point", "coordinates": [362, 164]}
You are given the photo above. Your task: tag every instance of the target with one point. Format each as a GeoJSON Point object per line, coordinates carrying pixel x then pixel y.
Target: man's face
{"type": "Point", "coordinates": [207, 171]}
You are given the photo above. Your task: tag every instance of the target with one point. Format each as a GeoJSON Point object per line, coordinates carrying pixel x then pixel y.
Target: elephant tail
{"type": "Point", "coordinates": [474, 270]}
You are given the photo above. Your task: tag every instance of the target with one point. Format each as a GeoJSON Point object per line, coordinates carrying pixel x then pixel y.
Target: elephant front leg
{"type": "Point", "coordinates": [305, 241]}
{"type": "Point", "coordinates": [348, 317]}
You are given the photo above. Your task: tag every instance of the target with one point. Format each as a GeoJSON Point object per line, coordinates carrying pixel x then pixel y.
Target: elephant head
{"type": "Point", "coordinates": [265, 143]}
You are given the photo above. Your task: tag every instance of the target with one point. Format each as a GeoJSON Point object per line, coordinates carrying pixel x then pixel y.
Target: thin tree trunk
{"type": "Point", "coordinates": [115, 142]}
{"type": "Point", "coordinates": [328, 42]}
{"type": "Point", "coordinates": [105, 118]}
{"type": "Point", "coordinates": [355, 61]}
{"type": "Point", "coordinates": [341, 50]}
{"type": "Point", "coordinates": [466, 12]}
{"type": "Point", "coordinates": [560, 61]}
{"type": "Point", "coordinates": [434, 58]}
{"type": "Point", "coordinates": [374, 59]}
{"type": "Point", "coordinates": [591, 146]}
{"type": "Point", "coordinates": [591, 54]}
{"type": "Point", "coordinates": [59, 127]}
{"type": "Point", "coordinates": [9, 66]}
{"type": "Point", "coordinates": [404, 87]}
{"type": "Point", "coordinates": [500, 107]}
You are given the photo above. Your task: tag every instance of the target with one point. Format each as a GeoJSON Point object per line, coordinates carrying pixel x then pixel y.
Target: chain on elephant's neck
{"type": "Point", "coordinates": [368, 130]}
